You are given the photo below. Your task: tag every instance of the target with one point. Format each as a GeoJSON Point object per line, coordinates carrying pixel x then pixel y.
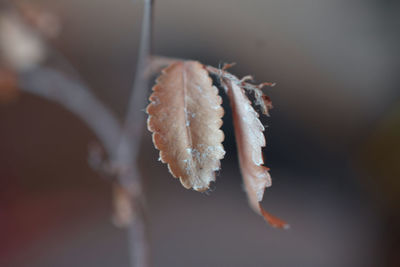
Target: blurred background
{"type": "Point", "coordinates": [333, 138]}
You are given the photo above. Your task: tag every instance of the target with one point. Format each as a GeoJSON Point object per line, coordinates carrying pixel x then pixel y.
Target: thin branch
{"type": "Point", "coordinates": [129, 146]}
{"type": "Point", "coordinates": [133, 124]}
{"type": "Point", "coordinates": [77, 98]}
{"type": "Point", "coordinates": [121, 143]}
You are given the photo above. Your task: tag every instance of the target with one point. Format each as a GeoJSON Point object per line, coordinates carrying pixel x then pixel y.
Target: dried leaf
{"type": "Point", "coordinates": [250, 140]}
{"type": "Point", "coordinates": [174, 100]}
{"type": "Point", "coordinates": [185, 118]}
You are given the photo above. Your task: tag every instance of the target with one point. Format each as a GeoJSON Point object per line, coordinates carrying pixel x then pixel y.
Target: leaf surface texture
{"type": "Point", "coordinates": [185, 118]}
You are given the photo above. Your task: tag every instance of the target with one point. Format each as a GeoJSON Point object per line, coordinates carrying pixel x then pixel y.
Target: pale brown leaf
{"type": "Point", "coordinates": [250, 140]}
{"type": "Point", "coordinates": [185, 118]}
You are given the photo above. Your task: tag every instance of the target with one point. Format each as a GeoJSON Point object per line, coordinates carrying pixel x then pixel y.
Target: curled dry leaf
{"type": "Point", "coordinates": [185, 118]}
{"type": "Point", "coordinates": [250, 140]}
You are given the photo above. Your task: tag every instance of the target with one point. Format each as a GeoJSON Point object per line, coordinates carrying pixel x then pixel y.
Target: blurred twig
{"type": "Point", "coordinates": [75, 97]}
{"type": "Point", "coordinates": [121, 141]}
{"type": "Point", "coordinates": [129, 146]}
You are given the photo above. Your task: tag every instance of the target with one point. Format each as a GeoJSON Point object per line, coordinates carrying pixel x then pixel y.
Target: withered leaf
{"type": "Point", "coordinates": [250, 140]}
{"type": "Point", "coordinates": [185, 118]}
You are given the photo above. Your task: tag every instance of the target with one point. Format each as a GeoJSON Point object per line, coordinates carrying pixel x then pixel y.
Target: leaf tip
{"type": "Point", "coordinates": [272, 220]}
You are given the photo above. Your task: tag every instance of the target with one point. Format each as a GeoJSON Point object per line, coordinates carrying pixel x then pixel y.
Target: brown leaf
{"type": "Point", "coordinates": [185, 118]}
{"type": "Point", "coordinates": [250, 140]}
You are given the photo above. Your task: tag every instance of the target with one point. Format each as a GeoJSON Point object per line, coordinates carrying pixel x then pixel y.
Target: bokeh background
{"type": "Point", "coordinates": [333, 139]}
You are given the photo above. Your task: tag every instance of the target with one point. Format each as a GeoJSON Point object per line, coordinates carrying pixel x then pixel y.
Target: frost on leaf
{"type": "Point", "coordinates": [249, 138]}
{"type": "Point", "coordinates": [185, 118]}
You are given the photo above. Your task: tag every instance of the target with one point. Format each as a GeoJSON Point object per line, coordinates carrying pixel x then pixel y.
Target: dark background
{"type": "Point", "coordinates": [332, 139]}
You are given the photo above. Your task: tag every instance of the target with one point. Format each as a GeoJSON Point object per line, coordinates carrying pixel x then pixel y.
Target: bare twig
{"type": "Point", "coordinates": [133, 125]}
{"type": "Point", "coordinates": [129, 146]}
{"type": "Point", "coordinates": [75, 97]}
{"type": "Point", "coordinates": [122, 143]}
